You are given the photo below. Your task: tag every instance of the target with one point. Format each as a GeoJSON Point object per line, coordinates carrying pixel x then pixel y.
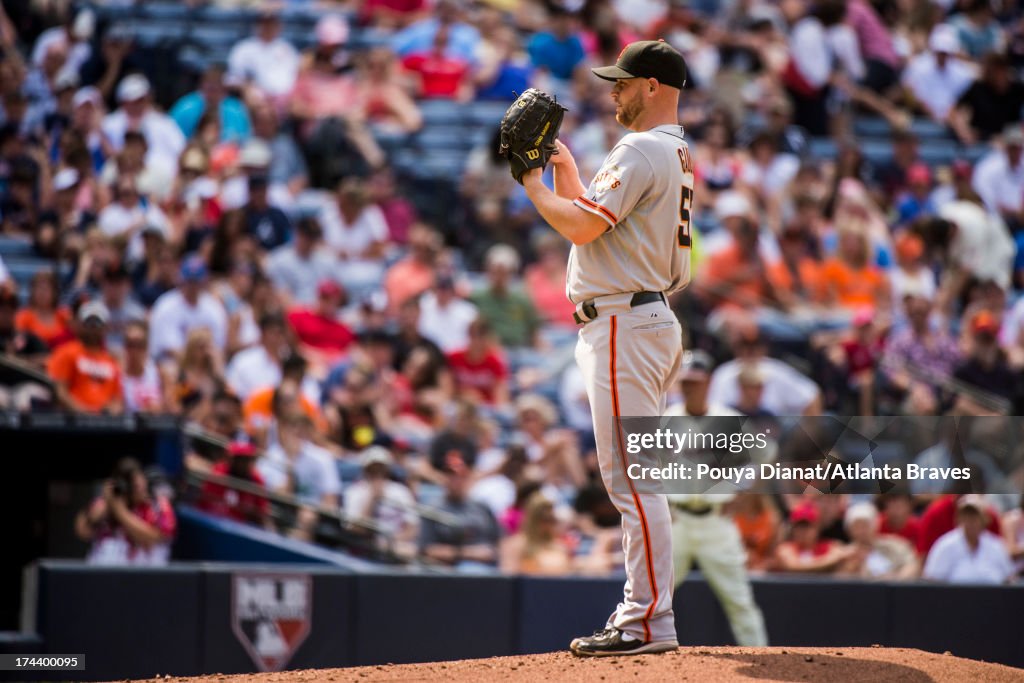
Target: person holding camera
{"type": "Point", "coordinates": [127, 524]}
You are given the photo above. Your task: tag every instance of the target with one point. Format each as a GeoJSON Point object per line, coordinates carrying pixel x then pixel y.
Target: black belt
{"type": "Point", "coordinates": [639, 299]}
{"type": "Point", "coordinates": [695, 510]}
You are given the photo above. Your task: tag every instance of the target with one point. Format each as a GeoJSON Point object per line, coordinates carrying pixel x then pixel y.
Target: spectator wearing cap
{"type": "Point", "coordinates": [911, 276]}
{"type": "Point", "coordinates": [136, 112]}
{"type": "Point", "coordinates": [935, 79]}
{"type": "Point", "coordinates": [694, 382]}
{"type": "Point", "coordinates": [323, 90]}
{"type": "Point", "coordinates": [917, 201]}
{"type": "Point", "coordinates": [153, 176]}
{"type": "Point", "coordinates": [445, 316]}
{"type": "Point", "coordinates": [64, 215]}
{"type": "Point", "coordinates": [298, 268]}
{"type": "Point", "coordinates": [555, 450]}
{"type": "Point", "coordinates": [508, 311]}
{"type": "Point", "coordinates": [260, 365]}
{"type": "Point", "coordinates": [86, 120]}
{"type": "Point", "coordinates": [212, 96]}
{"type": "Point", "coordinates": [389, 504]}
{"type": "Point", "coordinates": [253, 161]}
{"type": "Point", "coordinates": [187, 307]}
{"type": "Point", "coordinates": [73, 37]}
{"type": "Point", "coordinates": [875, 556]}
{"type": "Point", "coordinates": [940, 517]}
{"type": "Point", "coordinates": [145, 390]}
{"type": "Point", "coordinates": [223, 500]}
{"type": "Point", "coordinates": [116, 295]}
{"type": "Point", "coordinates": [993, 102]}
{"type": "Point", "coordinates": [919, 358]}
{"type": "Point", "coordinates": [989, 385]}
{"type": "Point", "coordinates": [739, 277]}
{"type": "Point", "coordinates": [321, 335]}
{"type": "Point", "coordinates": [42, 314]}
{"type": "Point", "coordinates": [86, 377]}
{"type": "Point", "coordinates": [805, 550]}
{"type": "Point", "coordinates": [786, 391]}
{"type": "Point", "coordinates": [265, 61]}
{"type": "Point", "coordinates": [413, 274]}
{"type": "Point", "coordinates": [999, 178]}
{"type": "Point", "coordinates": [267, 224]}
{"type": "Point", "coordinates": [969, 553]}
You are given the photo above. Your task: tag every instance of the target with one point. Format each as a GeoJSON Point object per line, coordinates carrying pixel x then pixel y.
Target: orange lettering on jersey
{"type": "Point", "coordinates": [684, 159]}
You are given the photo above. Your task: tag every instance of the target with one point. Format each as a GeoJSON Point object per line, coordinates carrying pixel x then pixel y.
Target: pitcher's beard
{"type": "Point", "coordinates": [628, 112]}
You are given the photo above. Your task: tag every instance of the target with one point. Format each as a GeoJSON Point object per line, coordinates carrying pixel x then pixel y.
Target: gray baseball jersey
{"type": "Point", "coordinates": [643, 191]}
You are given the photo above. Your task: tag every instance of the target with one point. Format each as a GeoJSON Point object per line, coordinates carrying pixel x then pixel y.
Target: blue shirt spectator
{"type": "Point", "coordinates": [233, 117]}
{"type": "Point", "coordinates": [559, 51]}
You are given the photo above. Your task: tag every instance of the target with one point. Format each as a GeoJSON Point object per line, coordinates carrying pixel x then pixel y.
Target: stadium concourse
{"type": "Point", "coordinates": [287, 226]}
{"type": "Point", "coordinates": [712, 664]}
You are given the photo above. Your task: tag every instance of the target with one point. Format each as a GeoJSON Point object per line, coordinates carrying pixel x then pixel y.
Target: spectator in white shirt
{"type": "Point", "coordinates": [266, 61]}
{"type": "Point", "coordinates": [188, 307]}
{"type": "Point", "coordinates": [259, 366]}
{"type": "Point", "coordinates": [166, 141]}
{"type": "Point", "coordinates": [999, 178]}
{"type": "Point", "coordinates": [936, 78]}
{"type": "Point", "coordinates": [969, 553]}
{"type": "Point", "coordinates": [298, 268]}
{"type": "Point", "coordinates": [786, 392]}
{"type": "Point", "coordinates": [126, 217]}
{"type": "Point", "coordinates": [385, 502]}
{"type": "Point", "coordinates": [445, 317]}
{"type": "Point", "coordinates": [297, 467]}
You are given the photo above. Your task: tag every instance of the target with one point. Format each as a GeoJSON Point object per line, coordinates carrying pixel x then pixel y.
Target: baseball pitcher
{"type": "Point", "coordinates": [630, 231]}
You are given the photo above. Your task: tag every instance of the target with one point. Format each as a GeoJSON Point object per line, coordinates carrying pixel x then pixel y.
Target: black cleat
{"type": "Point", "coordinates": [608, 642]}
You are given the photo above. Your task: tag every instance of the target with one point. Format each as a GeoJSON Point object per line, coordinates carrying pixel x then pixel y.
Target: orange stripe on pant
{"type": "Point", "coordinates": [636, 499]}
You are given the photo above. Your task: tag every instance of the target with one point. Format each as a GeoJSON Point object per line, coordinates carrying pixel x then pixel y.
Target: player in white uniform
{"type": "Point", "coordinates": [630, 231]}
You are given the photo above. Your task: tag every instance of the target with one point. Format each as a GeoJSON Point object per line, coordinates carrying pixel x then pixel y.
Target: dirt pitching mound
{"type": "Point", "coordinates": [698, 664]}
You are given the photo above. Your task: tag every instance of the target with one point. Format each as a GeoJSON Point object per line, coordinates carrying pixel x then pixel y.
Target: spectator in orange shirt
{"type": "Point", "coordinates": [803, 269]}
{"type": "Point", "coordinates": [739, 275]}
{"type": "Point", "coordinates": [43, 316]}
{"type": "Point", "coordinates": [545, 281]}
{"type": "Point", "coordinates": [850, 278]}
{"type": "Point", "coordinates": [414, 274]}
{"type": "Point", "coordinates": [87, 377]}
{"type": "Point", "coordinates": [264, 405]}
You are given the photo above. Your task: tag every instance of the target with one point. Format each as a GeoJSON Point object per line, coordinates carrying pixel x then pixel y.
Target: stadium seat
{"type": "Point", "coordinates": [926, 129]}
{"type": "Point", "coordinates": [937, 153]}
{"type": "Point", "coordinates": [486, 113]}
{"type": "Point", "coordinates": [12, 247]}
{"type": "Point", "coordinates": [443, 139]}
{"type": "Point", "coordinates": [822, 148]}
{"type": "Point", "coordinates": [872, 126]}
{"type": "Point", "coordinates": [22, 270]}
{"type": "Point", "coordinates": [442, 112]}
{"type": "Point", "coordinates": [163, 11]}
{"type": "Point", "coordinates": [876, 150]}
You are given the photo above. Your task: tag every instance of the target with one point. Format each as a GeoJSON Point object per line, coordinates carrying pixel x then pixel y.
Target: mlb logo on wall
{"type": "Point", "coordinates": [271, 615]}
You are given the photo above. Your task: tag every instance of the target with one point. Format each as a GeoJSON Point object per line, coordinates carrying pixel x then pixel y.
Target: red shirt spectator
{"type": "Point", "coordinates": [241, 506]}
{"type": "Point", "coordinates": [442, 76]}
{"type": "Point", "coordinates": [479, 368]}
{"type": "Point", "coordinates": [318, 328]}
{"type": "Point", "coordinates": [940, 517]}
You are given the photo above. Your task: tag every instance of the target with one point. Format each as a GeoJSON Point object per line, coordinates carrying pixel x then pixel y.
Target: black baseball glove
{"type": "Point", "coordinates": [528, 131]}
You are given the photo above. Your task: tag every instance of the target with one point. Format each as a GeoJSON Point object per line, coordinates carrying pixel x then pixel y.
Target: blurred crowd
{"type": "Point", "coordinates": [248, 255]}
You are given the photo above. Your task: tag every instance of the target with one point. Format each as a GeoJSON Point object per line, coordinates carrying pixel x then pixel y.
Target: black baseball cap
{"type": "Point", "coordinates": [647, 59]}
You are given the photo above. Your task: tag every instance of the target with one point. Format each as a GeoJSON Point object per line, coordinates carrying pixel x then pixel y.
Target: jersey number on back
{"type": "Point", "coordinates": [684, 217]}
